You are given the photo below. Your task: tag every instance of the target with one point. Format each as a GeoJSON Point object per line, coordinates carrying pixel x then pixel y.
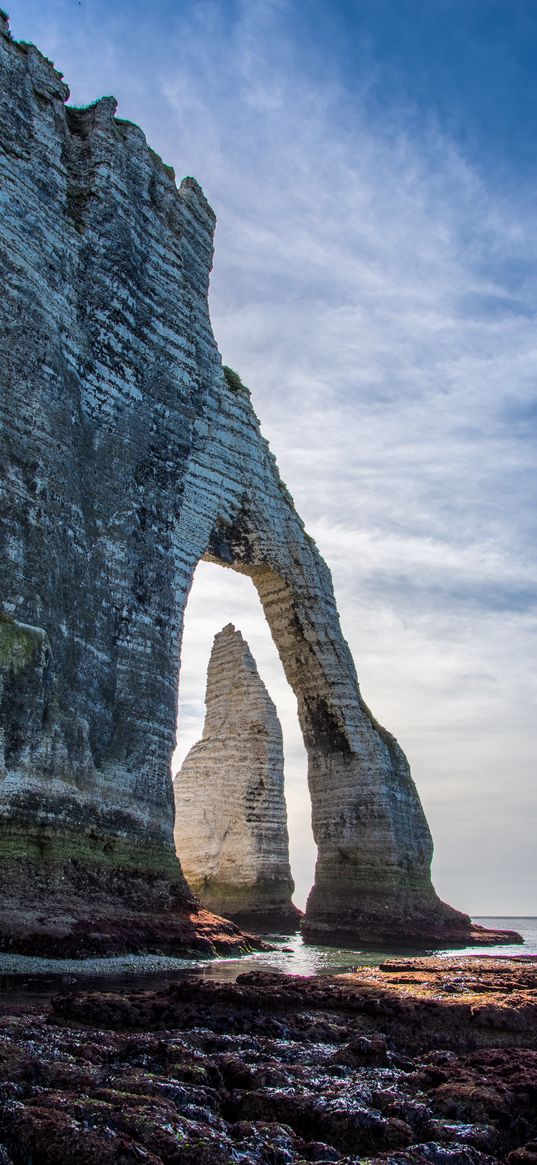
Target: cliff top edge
{"type": "Point", "coordinates": [108, 105]}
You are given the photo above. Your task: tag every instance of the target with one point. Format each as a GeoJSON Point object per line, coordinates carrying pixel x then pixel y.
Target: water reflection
{"type": "Point", "coordinates": [294, 957]}
{"type": "Point", "coordinates": [290, 955]}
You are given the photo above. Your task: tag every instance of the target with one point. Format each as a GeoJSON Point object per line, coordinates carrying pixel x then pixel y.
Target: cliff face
{"type": "Point", "coordinates": [230, 812]}
{"type": "Point", "coordinates": [127, 457]}
{"type": "Point", "coordinates": [108, 368]}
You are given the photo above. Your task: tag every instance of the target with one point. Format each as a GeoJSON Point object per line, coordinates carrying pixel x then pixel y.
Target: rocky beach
{"type": "Point", "coordinates": [414, 1061]}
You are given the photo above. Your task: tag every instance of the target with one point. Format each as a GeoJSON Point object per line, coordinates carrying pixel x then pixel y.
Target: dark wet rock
{"type": "Point", "coordinates": [363, 1051]}
{"type": "Point", "coordinates": [526, 1155]}
{"type": "Point", "coordinates": [318, 1151]}
{"type": "Point", "coordinates": [271, 1070]}
{"type": "Point", "coordinates": [394, 1102]}
{"type": "Point", "coordinates": [265, 1143]}
{"type": "Point", "coordinates": [455, 1154]}
{"type": "Point", "coordinates": [47, 1137]}
{"type": "Point", "coordinates": [483, 1137]}
{"type": "Point", "coordinates": [434, 1154]}
{"type": "Point", "coordinates": [346, 1124]}
{"type": "Point", "coordinates": [470, 1101]}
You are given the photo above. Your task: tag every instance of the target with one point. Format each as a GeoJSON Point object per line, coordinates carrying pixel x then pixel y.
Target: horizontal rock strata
{"type": "Point", "coordinates": [107, 357]}
{"type": "Point", "coordinates": [128, 456]}
{"type": "Point", "coordinates": [230, 812]}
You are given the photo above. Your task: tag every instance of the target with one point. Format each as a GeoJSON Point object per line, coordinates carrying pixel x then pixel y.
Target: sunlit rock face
{"type": "Point", "coordinates": [127, 457]}
{"type": "Point", "coordinates": [230, 812]}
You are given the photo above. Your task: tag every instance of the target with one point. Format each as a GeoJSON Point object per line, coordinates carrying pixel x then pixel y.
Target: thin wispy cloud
{"type": "Point", "coordinates": [375, 285]}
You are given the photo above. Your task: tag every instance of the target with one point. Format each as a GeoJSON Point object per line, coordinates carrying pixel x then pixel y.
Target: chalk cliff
{"type": "Point", "coordinates": [230, 812]}
{"type": "Point", "coordinates": [127, 456]}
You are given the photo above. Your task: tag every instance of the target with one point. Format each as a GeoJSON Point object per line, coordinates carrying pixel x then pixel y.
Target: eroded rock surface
{"type": "Point", "coordinates": [278, 1070]}
{"type": "Point", "coordinates": [230, 812]}
{"type": "Point", "coordinates": [128, 455]}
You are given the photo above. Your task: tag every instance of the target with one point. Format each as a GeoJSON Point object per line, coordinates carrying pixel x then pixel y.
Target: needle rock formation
{"type": "Point", "coordinates": [128, 455]}
{"type": "Point", "coordinates": [230, 812]}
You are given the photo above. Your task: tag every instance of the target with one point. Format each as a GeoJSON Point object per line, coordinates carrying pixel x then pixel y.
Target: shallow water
{"type": "Point", "coordinates": [290, 955]}
{"type": "Point", "coordinates": [296, 958]}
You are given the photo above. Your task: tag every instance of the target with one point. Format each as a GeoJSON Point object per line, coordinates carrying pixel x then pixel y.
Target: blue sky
{"type": "Point", "coordinates": [469, 65]}
{"type": "Point", "coordinates": [372, 166]}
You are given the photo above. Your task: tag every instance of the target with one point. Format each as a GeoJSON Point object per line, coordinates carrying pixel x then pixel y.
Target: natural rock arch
{"type": "Point", "coordinates": [372, 878]}
{"type": "Point", "coordinates": [129, 456]}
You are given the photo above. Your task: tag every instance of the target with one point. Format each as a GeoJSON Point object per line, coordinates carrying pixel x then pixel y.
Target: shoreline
{"type": "Point", "coordinates": [21, 965]}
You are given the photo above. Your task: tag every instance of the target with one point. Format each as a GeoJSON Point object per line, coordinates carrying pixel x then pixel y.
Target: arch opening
{"type": "Point", "coordinates": [372, 871]}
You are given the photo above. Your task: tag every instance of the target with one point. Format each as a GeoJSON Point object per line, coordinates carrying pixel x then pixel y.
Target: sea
{"type": "Point", "coordinates": [292, 956]}
{"type": "Point", "coordinates": [288, 955]}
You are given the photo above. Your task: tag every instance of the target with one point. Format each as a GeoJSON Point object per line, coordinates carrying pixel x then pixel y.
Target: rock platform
{"type": "Point", "coordinates": [451, 930]}
{"type": "Point", "coordinates": [417, 1062]}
